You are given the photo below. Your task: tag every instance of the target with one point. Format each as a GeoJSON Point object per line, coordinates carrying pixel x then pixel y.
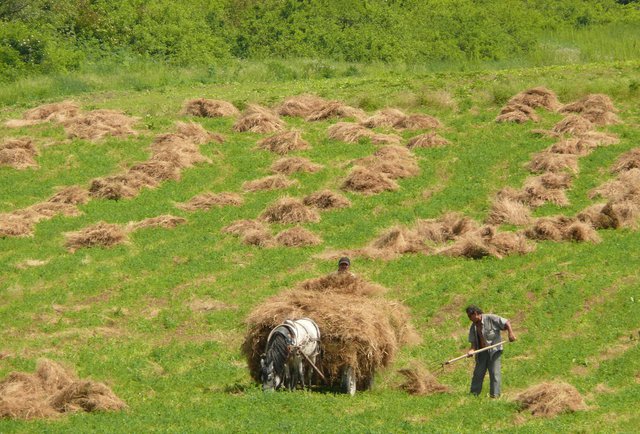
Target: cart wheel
{"type": "Point", "coordinates": [348, 381]}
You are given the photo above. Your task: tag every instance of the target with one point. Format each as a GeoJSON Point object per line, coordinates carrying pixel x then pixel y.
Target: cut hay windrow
{"type": "Point", "coordinates": [394, 242]}
{"type": "Point", "coordinates": [206, 201]}
{"type": "Point", "coordinates": [55, 112]}
{"type": "Point", "coordinates": [258, 237]}
{"type": "Point", "coordinates": [74, 195]}
{"type": "Point", "coordinates": [359, 332]}
{"type": "Point", "coordinates": [18, 153]}
{"type": "Point", "coordinates": [366, 181]}
{"type": "Point", "coordinates": [240, 227]}
{"type": "Point", "coordinates": [574, 125]}
{"type": "Point", "coordinates": [301, 105]}
{"type": "Point", "coordinates": [289, 165]}
{"type": "Point", "coordinates": [209, 108]}
{"type": "Point", "coordinates": [599, 138]}
{"type": "Point", "coordinates": [349, 132]}
{"type": "Point", "coordinates": [427, 140]}
{"type": "Point", "coordinates": [598, 108]}
{"type": "Point", "coordinates": [97, 124]}
{"type": "Point", "coordinates": [289, 210]}
{"type": "Point", "coordinates": [326, 199]}
{"type": "Point", "coordinates": [537, 97]}
{"type": "Point", "coordinates": [101, 234]}
{"type": "Point", "coordinates": [387, 117]}
{"type": "Point", "coordinates": [535, 193]}
{"type": "Point", "coordinates": [626, 186]}
{"type": "Point", "coordinates": [386, 139]}
{"type": "Point", "coordinates": [517, 113]}
{"type": "Point", "coordinates": [611, 215]}
{"type": "Point", "coordinates": [258, 119]}
{"type": "Point", "coordinates": [573, 146]}
{"type": "Point", "coordinates": [551, 399]}
{"type": "Point", "coordinates": [418, 122]}
{"type": "Point", "coordinates": [284, 142]}
{"type": "Point", "coordinates": [562, 228]}
{"type": "Point", "coordinates": [297, 237]}
{"type": "Point", "coordinates": [487, 241]}
{"type": "Point", "coordinates": [419, 381]}
{"type": "Point", "coordinates": [51, 391]}
{"type": "Point", "coordinates": [271, 182]}
{"type": "Point", "coordinates": [627, 161]}
{"type": "Point", "coordinates": [163, 221]}
{"type": "Point", "coordinates": [123, 186]}
{"type": "Point", "coordinates": [505, 210]}
{"type": "Point", "coordinates": [335, 109]}
{"type": "Point", "coordinates": [393, 161]}
{"type": "Point", "coordinates": [546, 161]}
{"type": "Point", "coordinates": [445, 228]}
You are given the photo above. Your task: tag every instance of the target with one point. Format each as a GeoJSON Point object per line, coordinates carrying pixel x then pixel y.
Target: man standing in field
{"type": "Point", "coordinates": [484, 332]}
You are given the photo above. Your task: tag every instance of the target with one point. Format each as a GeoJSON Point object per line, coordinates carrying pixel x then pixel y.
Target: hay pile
{"type": "Point", "coordinates": [97, 124]}
{"type": "Point", "coordinates": [18, 153]}
{"type": "Point", "coordinates": [392, 161]}
{"type": "Point", "coordinates": [171, 153]}
{"type": "Point", "coordinates": [272, 182]}
{"type": "Point", "coordinates": [56, 112]}
{"type": "Point", "coordinates": [240, 227]}
{"type": "Point", "coordinates": [289, 210]}
{"type": "Point", "coordinates": [507, 210]}
{"type": "Point", "coordinates": [387, 117]}
{"type": "Point", "coordinates": [626, 186]}
{"type": "Point", "coordinates": [419, 381]}
{"type": "Point", "coordinates": [209, 108]}
{"type": "Point", "coordinates": [546, 161]}
{"type": "Point", "coordinates": [573, 125]}
{"type": "Point", "coordinates": [418, 122]}
{"type": "Point", "coordinates": [427, 140]}
{"type": "Point", "coordinates": [282, 143]}
{"type": "Point", "coordinates": [562, 228]}
{"type": "Point", "coordinates": [335, 109]}
{"type": "Point", "coordinates": [368, 182]}
{"type": "Point", "coordinates": [597, 108]}
{"type": "Point", "coordinates": [206, 201]}
{"type": "Point", "coordinates": [517, 113]}
{"type": "Point", "coordinates": [357, 331]}
{"type": "Point", "coordinates": [289, 165]}
{"type": "Point", "coordinates": [487, 241]}
{"type": "Point", "coordinates": [551, 399]}
{"type": "Point", "coordinates": [386, 139]}
{"type": "Point", "coordinates": [258, 119]}
{"type": "Point", "coordinates": [326, 199]}
{"type": "Point", "coordinates": [163, 221]}
{"type": "Point", "coordinates": [349, 132]}
{"type": "Point", "coordinates": [394, 242]}
{"type": "Point", "coordinates": [612, 215]}
{"type": "Point", "coordinates": [100, 234]}
{"type": "Point", "coordinates": [297, 237]}
{"type": "Point", "coordinates": [343, 283]}
{"type": "Point", "coordinates": [521, 107]}
{"type": "Point", "coordinates": [301, 105]}
{"type": "Point", "coordinates": [627, 161]}
{"type": "Point", "coordinates": [21, 222]}
{"type": "Point", "coordinates": [51, 391]}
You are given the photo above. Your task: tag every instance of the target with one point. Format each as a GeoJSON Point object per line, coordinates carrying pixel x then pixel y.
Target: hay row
{"type": "Point", "coordinates": [290, 165]}
{"type": "Point", "coordinates": [171, 153]}
{"type": "Point", "coordinates": [395, 118]}
{"type": "Point", "coordinates": [272, 182]}
{"type": "Point", "coordinates": [522, 107]}
{"type": "Point", "coordinates": [206, 201]}
{"type": "Point", "coordinates": [284, 142]}
{"type": "Point", "coordinates": [51, 391]}
{"type": "Point", "coordinates": [209, 108]}
{"type": "Point", "coordinates": [258, 119]}
{"type": "Point", "coordinates": [596, 108]}
{"type": "Point", "coordinates": [256, 233]}
{"type": "Point", "coordinates": [18, 153]}
{"type": "Point", "coordinates": [21, 223]}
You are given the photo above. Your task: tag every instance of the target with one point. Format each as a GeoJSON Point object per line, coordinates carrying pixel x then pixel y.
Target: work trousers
{"type": "Point", "coordinates": [487, 362]}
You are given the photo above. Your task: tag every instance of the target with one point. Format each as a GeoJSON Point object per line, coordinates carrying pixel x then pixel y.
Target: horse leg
{"type": "Point", "coordinates": [301, 373]}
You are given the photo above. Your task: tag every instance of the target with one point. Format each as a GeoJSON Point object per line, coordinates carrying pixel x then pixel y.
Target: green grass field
{"type": "Point", "coordinates": [122, 315]}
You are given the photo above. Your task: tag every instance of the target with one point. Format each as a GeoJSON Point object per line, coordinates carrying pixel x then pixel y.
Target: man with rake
{"type": "Point", "coordinates": [485, 332]}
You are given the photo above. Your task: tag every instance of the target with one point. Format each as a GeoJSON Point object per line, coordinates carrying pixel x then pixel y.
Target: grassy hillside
{"type": "Point", "coordinates": [128, 315]}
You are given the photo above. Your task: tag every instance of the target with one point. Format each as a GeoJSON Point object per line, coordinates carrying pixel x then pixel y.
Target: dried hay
{"type": "Point", "coordinates": [12, 225]}
{"type": "Point", "coordinates": [518, 113]}
{"type": "Point", "coordinates": [157, 169]}
{"type": "Point", "coordinates": [289, 210]}
{"type": "Point", "coordinates": [445, 228]}
{"type": "Point", "coordinates": [163, 221]}
{"type": "Point", "coordinates": [335, 109]}
{"type": "Point", "coordinates": [301, 105]}
{"type": "Point", "coordinates": [358, 332]}
{"type": "Point", "coordinates": [419, 381]}
{"type": "Point", "coordinates": [581, 232]}
{"type": "Point", "coordinates": [206, 201]}
{"type": "Point", "coordinates": [386, 117]}
{"type": "Point", "coordinates": [391, 162]}
{"type": "Point", "coordinates": [550, 399]}
{"type": "Point", "coordinates": [58, 112]}
{"type": "Point", "coordinates": [428, 140]}
{"type": "Point", "coordinates": [599, 138]}
{"type": "Point", "coordinates": [418, 122]}
{"type": "Point", "coordinates": [537, 97]}
{"type": "Point", "coordinates": [573, 124]}
{"type": "Point", "coordinates": [348, 132]}
{"type": "Point", "coordinates": [611, 215]}
{"type": "Point", "coordinates": [74, 195]}
{"type": "Point", "coordinates": [626, 186]}
{"type": "Point", "coordinates": [258, 119]}
{"type": "Point", "coordinates": [326, 199]}
{"type": "Point", "coordinates": [549, 162]}
{"type": "Point", "coordinates": [386, 139]}
{"type": "Point", "coordinates": [209, 108]}
{"type": "Point", "coordinates": [196, 133]}
{"type": "Point", "coordinates": [258, 237]}
{"type": "Point", "coordinates": [561, 228]}
{"type": "Point", "coordinates": [601, 117]}
{"type": "Point", "coordinates": [396, 241]}
{"type": "Point", "coordinates": [240, 227]}
{"type": "Point", "coordinates": [18, 153]}
{"type": "Point", "coordinates": [573, 146]}
{"type": "Point", "coordinates": [284, 142]}
{"type": "Point", "coordinates": [627, 161]}
{"type": "Point", "coordinates": [99, 235]}
{"type": "Point", "coordinates": [505, 210]}
{"type": "Point", "coordinates": [100, 123]}
{"type": "Point", "coordinates": [289, 165]}
{"type": "Point", "coordinates": [272, 182]}
{"type": "Point", "coordinates": [122, 186]}
{"type": "Point", "coordinates": [366, 181]}
{"type": "Point", "coordinates": [486, 241]}
{"type": "Point", "coordinates": [47, 210]}
{"type": "Point", "coordinates": [536, 193]}
{"type": "Point", "coordinates": [597, 101]}
{"type": "Point", "coordinates": [52, 390]}
{"type": "Point", "coordinates": [554, 180]}
{"type": "Point", "coordinates": [343, 283]}
{"type": "Point", "coordinates": [297, 237]}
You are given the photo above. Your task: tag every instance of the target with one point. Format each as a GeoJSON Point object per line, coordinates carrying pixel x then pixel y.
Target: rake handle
{"type": "Point", "coordinates": [448, 362]}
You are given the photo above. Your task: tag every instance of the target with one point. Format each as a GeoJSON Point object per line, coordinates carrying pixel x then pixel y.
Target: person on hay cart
{"type": "Point", "coordinates": [344, 264]}
{"type": "Point", "coordinates": [484, 332]}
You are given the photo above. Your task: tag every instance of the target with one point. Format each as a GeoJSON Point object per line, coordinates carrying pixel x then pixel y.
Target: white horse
{"type": "Point", "coordinates": [289, 346]}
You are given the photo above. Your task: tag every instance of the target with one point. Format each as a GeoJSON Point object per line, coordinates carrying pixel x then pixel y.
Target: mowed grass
{"type": "Point", "coordinates": [122, 315]}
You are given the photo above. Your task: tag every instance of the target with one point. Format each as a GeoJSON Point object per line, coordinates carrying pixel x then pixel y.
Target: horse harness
{"type": "Point", "coordinates": [292, 330]}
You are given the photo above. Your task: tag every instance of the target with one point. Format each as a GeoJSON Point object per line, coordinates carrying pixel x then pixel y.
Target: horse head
{"type": "Point", "coordinates": [273, 363]}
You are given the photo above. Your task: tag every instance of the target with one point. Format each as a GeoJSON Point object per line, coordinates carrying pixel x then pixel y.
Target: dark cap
{"type": "Point", "coordinates": [344, 260]}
